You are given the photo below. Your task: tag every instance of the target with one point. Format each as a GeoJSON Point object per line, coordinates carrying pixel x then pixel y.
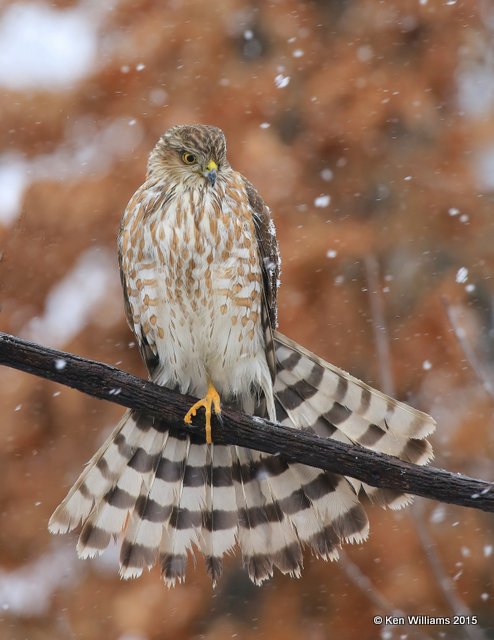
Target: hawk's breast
{"type": "Point", "coordinates": [197, 289]}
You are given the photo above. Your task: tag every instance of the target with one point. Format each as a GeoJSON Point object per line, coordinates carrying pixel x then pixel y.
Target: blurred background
{"type": "Point", "coordinates": [368, 127]}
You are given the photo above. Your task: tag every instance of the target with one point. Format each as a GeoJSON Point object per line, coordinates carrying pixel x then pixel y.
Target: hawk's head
{"type": "Point", "coordinates": [189, 154]}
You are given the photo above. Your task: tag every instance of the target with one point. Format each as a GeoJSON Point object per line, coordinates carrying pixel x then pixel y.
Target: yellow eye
{"type": "Point", "coordinates": [188, 158]}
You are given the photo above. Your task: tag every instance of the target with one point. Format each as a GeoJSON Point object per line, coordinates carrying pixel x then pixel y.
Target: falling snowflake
{"type": "Point", "coordinates": [462, 275]}
{"type": "Point", "coordinates": [281, 81]}
{"type": "Point", "coordinates": [322, 201]}
{"type": "Point", "coordinates": [327, 175]}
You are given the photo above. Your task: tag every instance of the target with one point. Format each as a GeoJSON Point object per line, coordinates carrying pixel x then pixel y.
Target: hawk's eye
{"type": "Point", "coordinates": [188, 158]}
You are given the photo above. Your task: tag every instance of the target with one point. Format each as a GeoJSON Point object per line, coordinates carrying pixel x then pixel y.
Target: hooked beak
{"type": "Point", "coordinates": [211, 172]}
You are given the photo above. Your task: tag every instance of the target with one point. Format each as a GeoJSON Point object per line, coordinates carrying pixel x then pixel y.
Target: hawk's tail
{"type": "Point", "coordinates": [315, 395]}
{"type": "Point", "coordinates": [164, 493]}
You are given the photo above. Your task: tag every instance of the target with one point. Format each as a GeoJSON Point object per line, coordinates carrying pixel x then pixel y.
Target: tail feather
{"type": "Point", "coordinates": [220, 517]}
{"type": "Point", "coordinates": [289, 487]}
{"type": "Point", "coordinates": [183, 524]}
{"type": "Point", "coordinates": [252, 519]}
{"type": "Point", "coordinates": [315, 395]}
{"type": "Point", "coordinates": [285, 545]}
{"type": "Point", "coordinates": [186, 520]}
{"type": "Point", "coordinates": [145, 525]}
{"type": "Point", "coordinates": [155, 508]}
{"type": "Point", "coordinates": [273, 540]}
{"type": "Point", "coordinates": [101, 472]}
{"type": "Point", "coordinates": [302, 376]}
{"type": "Point", "coordinates": [340, 423]}
{"type": "Point", "coordinates": [339, 515]}
{"type": "Point", "coordinates": [110, 515]}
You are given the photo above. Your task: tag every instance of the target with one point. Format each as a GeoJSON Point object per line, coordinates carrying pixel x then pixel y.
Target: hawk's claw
{"type": "Point", "coordinates": [211, 400]}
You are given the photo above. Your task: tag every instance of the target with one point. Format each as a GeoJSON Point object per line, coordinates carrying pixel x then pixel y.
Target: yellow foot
{"type": "Point", "coordinates": [212, 399]}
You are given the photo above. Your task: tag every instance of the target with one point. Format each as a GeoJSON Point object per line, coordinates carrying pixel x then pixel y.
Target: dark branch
{"type": "Point", "coordinates": [377, 469]}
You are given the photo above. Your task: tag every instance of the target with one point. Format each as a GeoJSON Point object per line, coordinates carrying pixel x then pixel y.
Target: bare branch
{"type": "Point", "coordinates": [379, 324]}
{"type": "Point", "coordinates": [364, 583]}
{"type": "Point", "coordinates": [466, 347]}
{"type": "Point", "coordinates": [446, 584]}
{"type": "Point", "coordinates": [377, 469]}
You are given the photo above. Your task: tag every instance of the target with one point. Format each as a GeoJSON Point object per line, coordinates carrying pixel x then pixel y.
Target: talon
{"type": "Point", "coordinates": [212, 399]}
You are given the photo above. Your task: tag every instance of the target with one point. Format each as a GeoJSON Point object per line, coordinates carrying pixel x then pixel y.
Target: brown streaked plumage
{"type": "Point", "coordinates": [199, 265]}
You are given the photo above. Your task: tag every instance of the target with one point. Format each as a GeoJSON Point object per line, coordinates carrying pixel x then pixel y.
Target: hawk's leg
{"type": "Point", "coordinates": [212, 399]}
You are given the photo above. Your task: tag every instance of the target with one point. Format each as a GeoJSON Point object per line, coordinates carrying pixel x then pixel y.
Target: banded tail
{"type": "Point", "coordinates": [163, 493]}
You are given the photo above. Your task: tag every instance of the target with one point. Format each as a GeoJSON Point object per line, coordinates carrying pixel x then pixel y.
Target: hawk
{"type": "Point", "coordinates": [199, 264]}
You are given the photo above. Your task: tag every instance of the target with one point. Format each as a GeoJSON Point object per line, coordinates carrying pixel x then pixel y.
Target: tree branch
{"type": "Point", "coordinates": [377, 469]}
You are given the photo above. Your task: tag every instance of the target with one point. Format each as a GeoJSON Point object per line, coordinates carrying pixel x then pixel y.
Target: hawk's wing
{"type": "Point", "coordinates": [269, 258]}
{"type": "Point", "coordinates": [147, 348]}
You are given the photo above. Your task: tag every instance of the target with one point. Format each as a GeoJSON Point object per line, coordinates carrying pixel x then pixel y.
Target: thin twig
{"type": "Point", "coordinates": [446, 585]}
{"type": "Point", "coordinates": [364, 583]}
{"type": "Point", "coordinates": [468, 352]}
{"type": "Point", "coordinates": [379, 324]}
{"type": "Point", "coordinates": [377, 469]}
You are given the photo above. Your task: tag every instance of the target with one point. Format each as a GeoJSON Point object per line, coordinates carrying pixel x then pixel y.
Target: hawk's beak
{"type": "Point", "coordinates": [211, 172]}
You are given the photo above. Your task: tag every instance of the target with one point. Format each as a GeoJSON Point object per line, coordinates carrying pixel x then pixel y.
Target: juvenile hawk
{"type": "Point", "coordinates": [199, 264]}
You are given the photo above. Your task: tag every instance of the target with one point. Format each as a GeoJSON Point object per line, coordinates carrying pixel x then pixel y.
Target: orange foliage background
{"type": "Point", "coordinates": [385, 107]}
